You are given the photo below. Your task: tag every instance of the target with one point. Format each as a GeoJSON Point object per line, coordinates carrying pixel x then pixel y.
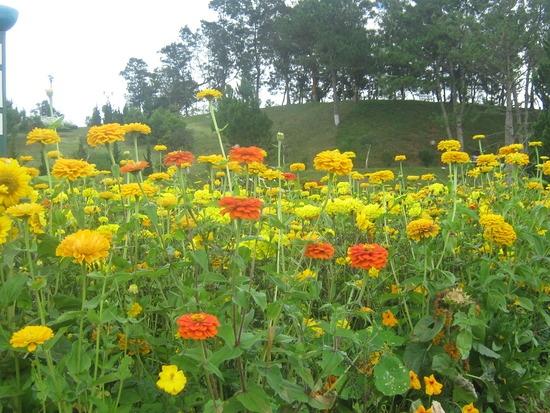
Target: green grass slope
{"type": "Point", "coordinates": [379, 128]}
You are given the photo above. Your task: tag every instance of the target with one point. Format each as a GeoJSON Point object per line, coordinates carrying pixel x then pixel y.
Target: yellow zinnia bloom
{"type": "Point", "coordinates": [209, 94]}
{"type": "Point", "coordinates": [160, 148]}
{"type": "Point", "coordinates": [449, 145]}
{"type": "Point", "coordinates": [400, 158]}
{"type": "Point", "coordinates": [73, 169]}
{"type": "Point", "coordinates": [5, 227]}
{"type": "Point", "coordinates": [84, 246]}
{"type": "Point", "coordinates": [136, 127]}
{"type": "Point", "coordinates": [31, 337]}
{"type": "Point", "coordinates": [501, 234]}
{"type": "Point", "coordinates": [43, 136]}
{"type": "Point", "coordinates": [103, 134]}
{"type": "Point", "coordinates": [171, 380]}
{"type": "Point", "coordinates": [333, 162]}
{"type": "Point", "coordinates": [14, 183]}
{"type": "Point", "coordinates": [517, 158]}
{"type": "Point", "coordinates": [296, 167]}
{"type": "Point", "coordinates": [455, 157]}
{"type": "Point", "coordinates": [422, 228]}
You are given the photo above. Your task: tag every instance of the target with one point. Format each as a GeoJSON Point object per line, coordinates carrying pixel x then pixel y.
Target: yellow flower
{"type": "Point", "coordinates": [305, 275]}
{"type": "Point", "coordinates": [167, 200]}
{"type": "Point", "coordinates": [517, 158]}
{"type": "Point", "coordinates": [427, 177]}
{"type": "Point", "coordinates": [26, 158]}
{"type": "Point", "coordinates": [545, 168]}
{"type": "Point", "coordinates": [171, 380]}
{"type": "Point", "coordinates": [296, 167]}
{"type": "Point", "coordinates": [133, 190]}
{"type": "Point", "coordinates": [54, 154]}
{"type": "Point", "coordinates": [214, 159]}
{"type": "Point", "coordinates": [514, 147]}
{"type": "Point", "coordinates": [433, 387]}
{"type": "Point", "coordinates": [33, 211]}
{"type": "Point", "coordinates": [314, 327]}
{"type": "Point", "coordinates": [135, 310]}
{"type": "Point", "coordinates": [103, 134]}
{"type": "Point", "coordinates": [43, 136]}
{"type": "Point", "coordinates": [422, 409]}
{"type": "Point", "coordinates": [455, 157]}
{"type": "Point", "coordinates": [30, 337]}
{"type": "Point", "coordinates": [422, 228]}
{"type": "Point", "coordinates": [334, 162]}
{"type": "Point", "coordinates": [501, 234]}
{"type": "Point", "coordinates": [533, 144]}
{"type": "Point", "coordinates": [413, 178]}
{"type": "Point", "coordinates": [415, 382]}
{"type": "Point", "coordinates": [209, 94]}
{"type": "Point", "coordinates": [307, 211]}
{"type": "Point", "coordinates": [400, 158]}
{"type": "Point", "coordinates": [487, 159]}
{"type": "Point", "coordinates": [73, 169]}
{"type": "Point", "coordinates": [379, 177]}
{"type": "Point", "coordinates": [136, 128]}
{"type": "Point", "coordinates": [388, 319]}
{"type": "Point", "coordinates": [477, 137]}
{"type": "Point", "coordinates": [158, 176]}
{"type": "Point", "coordinates": [487, 220]}
{"type": "Point", "coordinates": [84, 245]}
{"type": "Point", "coordinates": [469, 408]}
{"type": "Point", "coordinates": [5, 227]}
{"type": "Point", "coordinates": [449, 145]}
{"type": "Point", "coordinates": [14, 183]}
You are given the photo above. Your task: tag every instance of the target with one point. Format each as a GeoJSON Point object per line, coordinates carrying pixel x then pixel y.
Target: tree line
{"type": "Point", "coordinates": [454, 52]}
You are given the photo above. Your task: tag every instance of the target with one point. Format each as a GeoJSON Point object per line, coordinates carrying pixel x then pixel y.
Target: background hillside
{"type": "Point", "coordinates": [386, 127]}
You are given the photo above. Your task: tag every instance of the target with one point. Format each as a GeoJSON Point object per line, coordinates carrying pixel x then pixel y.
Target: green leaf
{"type": "Point", "coordinates": [464, 343]}
{"type": "Point", "coordinates": [11, 289]}
{"type": "Point", "coordinates": [525, 303]}
{"type": "Point", "coordinates": [426, 329]}
{"type": "Point", "coordinates": [255, 399]}
{"type": "Point", "coordinates": [224, 354]}
{"type": "Point", "coordinates": [485, 351]}
{"type": "Point", "coordinates": [390, 376]}
{"type": "Point", "coordinates": [259, 298]}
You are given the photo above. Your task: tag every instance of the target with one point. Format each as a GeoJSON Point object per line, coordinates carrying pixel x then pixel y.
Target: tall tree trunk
{"type": "Point", "coordinates": [519, 129]}
{"type": "Point", "coordinates": [315, 85]}
{"type": "Point", "coordinates": [526, 98]}
{"type": "Point", "coordinates": [509, 119]}
{"type": "Point", "coordinates": [443, 110]}
{"type": "Point", "coordinates": [335, 97]}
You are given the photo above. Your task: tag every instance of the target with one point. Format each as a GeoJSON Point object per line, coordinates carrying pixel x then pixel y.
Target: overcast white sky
{"type": "Point", "coordinates": [84, 44]}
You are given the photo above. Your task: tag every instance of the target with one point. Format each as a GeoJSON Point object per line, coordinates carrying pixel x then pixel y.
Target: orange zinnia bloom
{"type": "Point", "coordinates": [367, 256]}
{"type": "Point", "coordinates": [134, 166]}
{"type": "Point", "coordinates": [319, 250]}
{"type": "Point", "coordinates": [198, 326]}
{"type": "Point", "coordinates": [183, 159]}
{"type": "Point", "coordinates": [247, 154]}
{"type": "Point", "coordinates": [240, 207]}
{"type": "Point", "coordinates": [289, 176]}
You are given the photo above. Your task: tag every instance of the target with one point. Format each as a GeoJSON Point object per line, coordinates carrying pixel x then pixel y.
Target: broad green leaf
{"type": "Point", "coordinates": [390, 376]}
{"type": "Point", "coordinates": [464, 343]}
{"type": "Point", "coordinates": [255, 399]}
{"type": "Point", "coordinates": [426, 329]}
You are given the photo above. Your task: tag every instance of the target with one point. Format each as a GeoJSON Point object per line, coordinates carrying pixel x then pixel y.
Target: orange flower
{"type": "Point", "coordinates": [422, 409]}
{"type": "Point", "coordinates": [134, 166]}
{"type": "Point", "coordinates": [183, 159]}
{"type": "Point", "coordinates": [319, 250]}
{"type": "Point", "coordinates": [247, 154]}
{"type": "Point", "coordinates": [415, 383]}
{"type": "Point", "coordinates": [367, 256]}
{"type": "Point", "coordinates": [289, 176]}
{"type": "Point", "coordinates": [241, 207]}
{"type": "Point", "coordinates": [469, 408]}
{"type": "Point", "coordinates": [433, 387]}
{"type": "Point", "coordinates": [198, 326]}
{"type": "Point", "coordinates": [388, 319]}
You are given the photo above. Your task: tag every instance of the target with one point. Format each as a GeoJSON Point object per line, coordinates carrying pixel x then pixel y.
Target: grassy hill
{"type": "Point", "coordinates": [385, 127]}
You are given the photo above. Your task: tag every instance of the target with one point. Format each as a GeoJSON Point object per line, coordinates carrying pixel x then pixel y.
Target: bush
{"type": "Point", "coordinates": [387, 158]}
{"type": "Point", "coordinates": [245, 124]}
{"type": "Point", "coordinates": [427, 156]}
{"type": "Point", "coordinates": [170, 129]}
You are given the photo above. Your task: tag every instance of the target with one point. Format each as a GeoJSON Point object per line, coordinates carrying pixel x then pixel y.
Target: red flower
{"type": "Point", "coordinates": [240, 207]}
{"type": "Point", "coordinates": [367, 256]}
{"type": "Point", "coordinates": [319, 250]}
{"type": "Point", "coordinates": [289, 176]}
{"type": "Point", "coordinates": [247, 154]}
{"type": "Point", "coordinates": [132, 166]}
{"type": "Point", "coordinates": [198, 326]}
{"type": "Point", "coordinates": [183, 159]}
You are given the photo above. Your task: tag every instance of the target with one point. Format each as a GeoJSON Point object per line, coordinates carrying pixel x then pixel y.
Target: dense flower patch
{"type": "Point", "coordinates": [258, 290]}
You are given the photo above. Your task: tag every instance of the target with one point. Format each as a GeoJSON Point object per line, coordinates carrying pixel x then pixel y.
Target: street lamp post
{"type": "Point", "coordinates": [8, 17]}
